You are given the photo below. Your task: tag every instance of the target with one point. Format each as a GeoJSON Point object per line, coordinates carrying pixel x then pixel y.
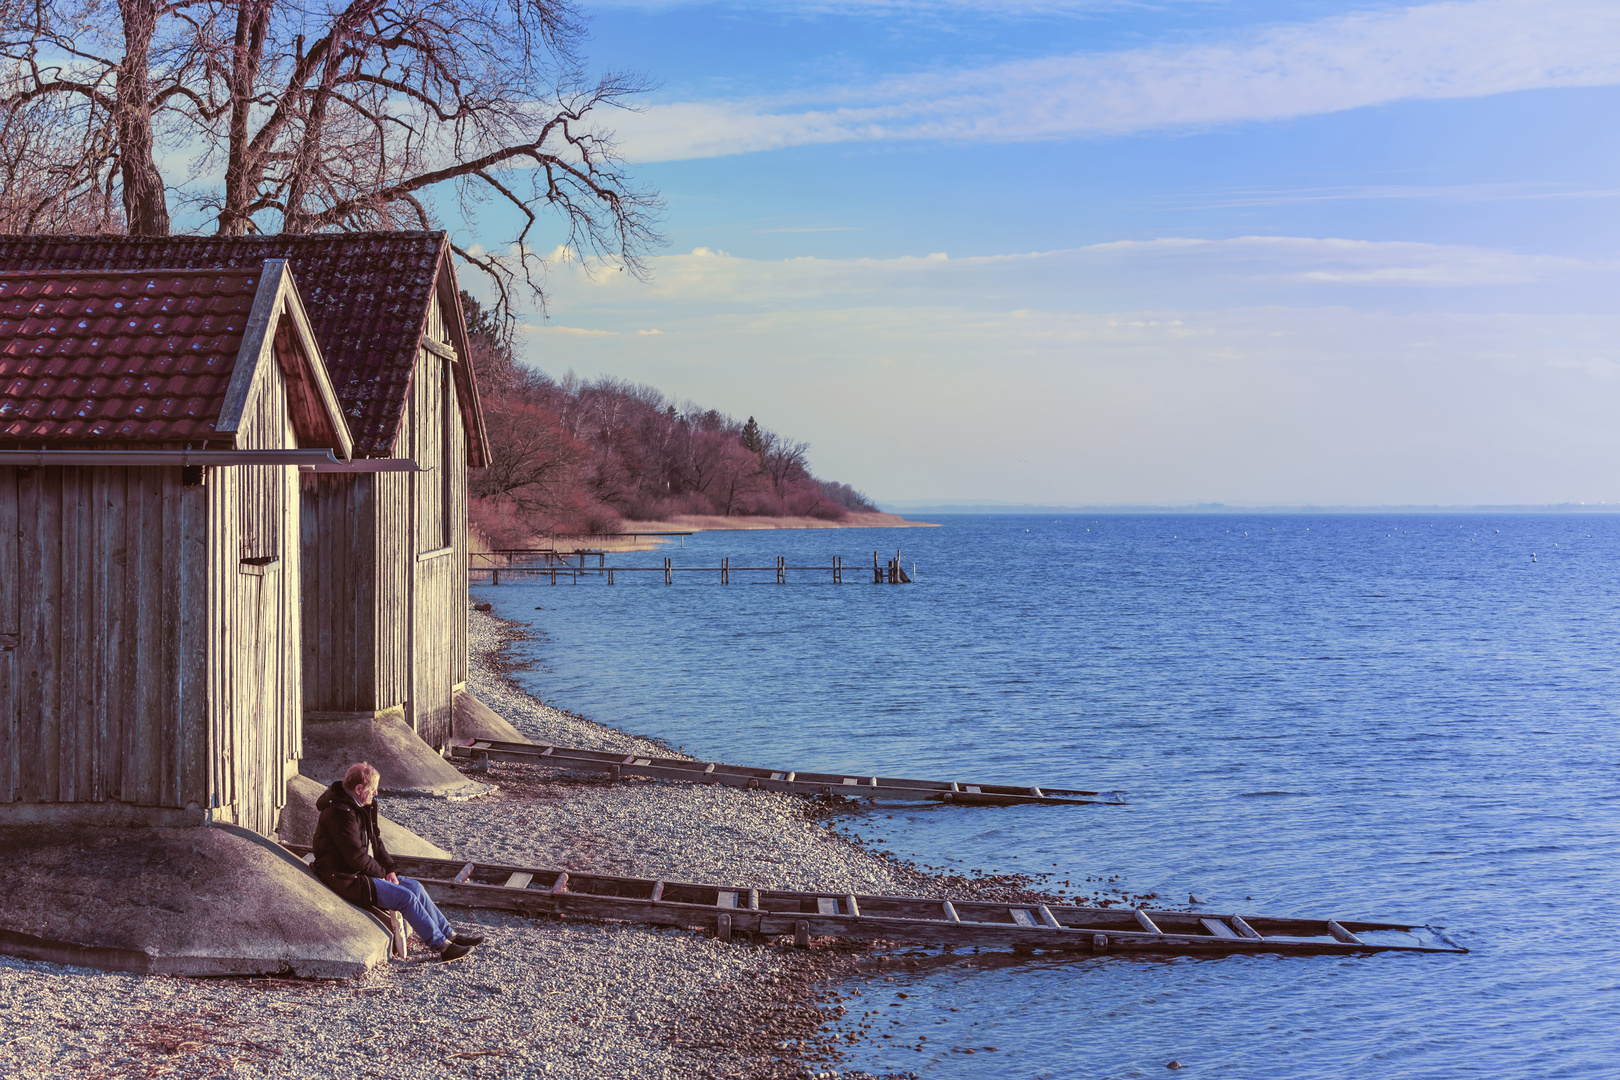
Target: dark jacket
{"type": "Point", "coordinates": [348, 845]}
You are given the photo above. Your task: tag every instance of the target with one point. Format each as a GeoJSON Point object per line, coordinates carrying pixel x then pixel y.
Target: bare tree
{"type": "Point", "coordinates": [783, 459]}
{"type": "Point", "coordinates": [364, 115]}
{"type": "Point", "coordinates": [82, 66]}
{"type": "Point", "coordinates": [533, 461]}
{"type": "Point", "coordinates": [737, 479]}
{"type": "Point", "coordinates": [41, 194]}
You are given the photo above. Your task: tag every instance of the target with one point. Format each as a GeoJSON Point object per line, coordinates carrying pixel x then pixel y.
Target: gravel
{"type": "Point", "coordinates": [546, 997]}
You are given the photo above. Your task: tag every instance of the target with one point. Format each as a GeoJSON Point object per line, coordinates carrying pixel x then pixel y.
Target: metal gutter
{"type": "Point", "coordinates": [312, 460]}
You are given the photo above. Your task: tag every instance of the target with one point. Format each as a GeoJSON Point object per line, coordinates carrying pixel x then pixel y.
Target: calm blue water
{"type": "Point", "coordinates": [1399, 717]}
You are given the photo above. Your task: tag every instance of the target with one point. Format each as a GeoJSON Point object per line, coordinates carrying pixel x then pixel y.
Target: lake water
{"type": "Point", "coordinates": [1408, 718]}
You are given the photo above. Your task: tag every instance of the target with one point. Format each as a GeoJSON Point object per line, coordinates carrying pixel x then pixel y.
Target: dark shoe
{"type": "Point", "coordinates": [468, 940]}
{"type": "Point", "coordinates": [453, 951]}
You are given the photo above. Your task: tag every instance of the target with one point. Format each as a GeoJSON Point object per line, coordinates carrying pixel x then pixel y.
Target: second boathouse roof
{"type": "Point", "coordinates": [369, 296]}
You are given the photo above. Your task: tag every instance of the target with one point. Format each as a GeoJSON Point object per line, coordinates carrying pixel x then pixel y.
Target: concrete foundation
{"type": "Point", "coordinates": [197, 901]}
{"type": "Point", "coordinates": [299, 816]}
{"type": "Point", "coordinates": [408, 765]}
{"type": "Point", "coordinates": [472, 720]}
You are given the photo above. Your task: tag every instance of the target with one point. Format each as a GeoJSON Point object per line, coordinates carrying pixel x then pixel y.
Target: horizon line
{"type": "Point", "coordinates": [968, 506]}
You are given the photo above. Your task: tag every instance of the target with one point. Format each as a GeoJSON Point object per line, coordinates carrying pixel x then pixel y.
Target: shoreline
{"type": "Point", "coordinates": [554, 998]}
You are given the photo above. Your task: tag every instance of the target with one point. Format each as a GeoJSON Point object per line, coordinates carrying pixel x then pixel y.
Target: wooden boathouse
{"type": "Point", "coordinates": [384, 568]}
{"type": "Point", "coordinates": [152, 424]}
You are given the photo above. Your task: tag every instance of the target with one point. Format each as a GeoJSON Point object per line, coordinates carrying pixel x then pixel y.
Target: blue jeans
{"type": "Point", "coordinates": [411, 900]}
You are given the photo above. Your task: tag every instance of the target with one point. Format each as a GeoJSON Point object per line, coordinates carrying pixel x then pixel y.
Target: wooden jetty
{"type": "Point", "coordinates": [556, 565]}
{"type": "Point", "coordinates": [726, 909]}
{"type": "Point", "coordinates": [798, 783]}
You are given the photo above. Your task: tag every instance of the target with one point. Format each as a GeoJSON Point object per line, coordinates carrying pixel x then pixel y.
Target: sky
{"type": "Point", "coordinates": [1090, 252]}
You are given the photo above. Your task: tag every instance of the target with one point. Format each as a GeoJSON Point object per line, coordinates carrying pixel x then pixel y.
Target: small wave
{"type": "Point", "coordinates": [1267, 794]}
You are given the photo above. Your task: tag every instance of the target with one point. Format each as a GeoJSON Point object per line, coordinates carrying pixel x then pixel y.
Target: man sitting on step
{"type": "Point", "coordinates": [351, 859]}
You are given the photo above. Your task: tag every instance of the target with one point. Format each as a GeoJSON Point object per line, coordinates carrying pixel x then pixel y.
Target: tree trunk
{"type": "Point", "coordinates": [242, 175]}
{"type": "Point", "coordinates": [146, 207]}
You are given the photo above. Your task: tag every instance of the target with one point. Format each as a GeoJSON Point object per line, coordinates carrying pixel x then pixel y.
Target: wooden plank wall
{"type": "Point", "coordinates": [339, 594]}
{"type": "Point", "coordinates": [258, 714]}
{"type": "Point", "coordinates": [395, 559]}
{"type": "Point", "coordinates": [382, 629]}
{"type": "Point", "coordinates": [104, 639]}
{"type": "Point", "coordinates": [456, 506]}
{"type": "Point", "coordinates": [438, 625]}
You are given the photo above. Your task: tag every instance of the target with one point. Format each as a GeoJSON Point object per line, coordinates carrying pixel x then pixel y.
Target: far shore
{"type": "Point", "coordinates": [641, 535]}
{"type": "Point", "coordinates": [717, 523]}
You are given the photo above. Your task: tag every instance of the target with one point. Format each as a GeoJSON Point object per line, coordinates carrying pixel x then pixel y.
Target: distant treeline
{"type": "Point", "coordinates": [574, 456]}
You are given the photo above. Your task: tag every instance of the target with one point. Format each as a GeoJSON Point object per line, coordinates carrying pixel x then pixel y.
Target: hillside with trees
{"type": "Point", "coordinates": [575, 456]}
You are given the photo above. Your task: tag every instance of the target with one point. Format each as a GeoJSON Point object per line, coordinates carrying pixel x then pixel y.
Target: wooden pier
{"type": "Point", "coordinates": [619, 765]}
{"type": "Point", "coordinates": [729, 909]}
{"type": "Point", "coordinates": [557, 566]}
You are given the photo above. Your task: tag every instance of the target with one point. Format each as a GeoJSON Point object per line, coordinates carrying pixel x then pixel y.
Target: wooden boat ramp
{"type": "Point", "coordinates": [726, 910]}
{"type": "Point", "coordinates": [618, 765]}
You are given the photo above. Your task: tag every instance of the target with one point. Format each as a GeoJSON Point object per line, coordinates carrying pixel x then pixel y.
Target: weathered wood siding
{"type": "Point", "coordinates": [341, 653]}
{"type": "Point", "coordinates": [433, 432]}
{"type": "Point", "coordinates": [258, 714]}
{"type": "Point", "coordinates": [141, 661]}
{"type": "Point", "coordinates": [391, 613]}
{"type": "Point", "coordinates": [385, 574]}
{"type": "Point", "coordinates": [103, 637]}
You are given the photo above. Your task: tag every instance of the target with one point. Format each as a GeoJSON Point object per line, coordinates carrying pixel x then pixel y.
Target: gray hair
{"type": "Point", "coordinates": [361, 775]}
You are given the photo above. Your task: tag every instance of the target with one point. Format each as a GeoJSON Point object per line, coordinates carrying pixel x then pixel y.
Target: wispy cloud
{"type": "Point", "coordinates": [1446, 50]}
{"type": "Point", "coordinates": [1257, 266]}
{"type": "Point", "coordinates": [810, 229]}
{"type": "Point", "coordinates": [1476, 193]}
{"type": "Point", "coordinates": [572, 331]}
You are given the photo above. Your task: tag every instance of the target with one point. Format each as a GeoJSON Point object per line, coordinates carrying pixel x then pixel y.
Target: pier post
{"type": "Point", "coordinates": [781, 570]}
{"type": "Point", "coordinates": [877, 571]}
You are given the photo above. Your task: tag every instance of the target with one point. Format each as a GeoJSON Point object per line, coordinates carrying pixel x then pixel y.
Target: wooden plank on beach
{"type": "Point", "coordinates": [715, 772]}
{"type": "Point", "coordinates": [519, 880]}
{"type": "Point", "coordinates": [802, 914]}
{"type": "Point", "coordinates": [1218, 928]}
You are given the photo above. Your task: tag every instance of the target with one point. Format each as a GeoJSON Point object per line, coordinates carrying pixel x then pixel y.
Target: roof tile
{"type": "Point", "coordinates": [97, 355]}
{"type": "Point", "coordinates": [367, 295]}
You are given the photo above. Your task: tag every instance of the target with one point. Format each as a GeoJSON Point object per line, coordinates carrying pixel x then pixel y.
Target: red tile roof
{"type": "Point", "coordinates": [368, 296]}
{"type": "Point", "coordinates": [123, 357]}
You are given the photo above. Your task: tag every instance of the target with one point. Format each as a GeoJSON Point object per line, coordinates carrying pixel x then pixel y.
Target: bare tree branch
{"type": "Point", "coordinates": [371, 114]}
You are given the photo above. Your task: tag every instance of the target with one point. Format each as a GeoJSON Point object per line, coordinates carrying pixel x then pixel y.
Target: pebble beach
{"type": "Point", "coordinates": [545, 997]}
